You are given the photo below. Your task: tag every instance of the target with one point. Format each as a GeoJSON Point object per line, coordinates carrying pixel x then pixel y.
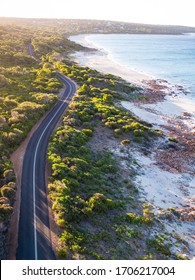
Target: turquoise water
{"type": "Point", "coordinates": [167, 57]}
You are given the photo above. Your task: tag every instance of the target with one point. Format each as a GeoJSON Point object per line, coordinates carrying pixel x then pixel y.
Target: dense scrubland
{"type": "Point", "coordinates": [28, 89]}
{"type": "Point", "coordinates": [97, 210]}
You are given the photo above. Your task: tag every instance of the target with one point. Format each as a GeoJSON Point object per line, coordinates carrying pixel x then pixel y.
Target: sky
{"type": "Point", "coordinates": [176, 12]}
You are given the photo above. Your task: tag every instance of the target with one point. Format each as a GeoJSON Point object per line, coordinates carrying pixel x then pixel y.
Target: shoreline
{"type": "Point", "coordinates": [165, 100]}
{"type": "Point", "coordinates": [98, 59]}
{"type": "Point", "coordinates": [166, 178]}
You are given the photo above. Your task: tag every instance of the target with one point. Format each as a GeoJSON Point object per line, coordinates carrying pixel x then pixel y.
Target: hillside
{"type": "Point", "coordinates": [77, 26]}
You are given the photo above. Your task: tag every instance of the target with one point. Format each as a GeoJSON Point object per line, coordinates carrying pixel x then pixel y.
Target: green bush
{"type": "Point", "coordinates": [62, 252]}
{"type": "Point", "coordinates": [138, 132]}
{"type": "Point", "coordinates": [73, 208]}
{"type": "Point", "coordinates": [7, 192]}
{"type": "Point", "coordinates": [5, 212]}
{"type": "Point", "coordinates": [159, 246]}
{"type": "Point", "coordinates": [136, 219]}
{"type": "Point", "coordinates": [125, 142]}
{"type": "Point", "coordinates": [9, 175]}
{"type": "Point", "coordinates": [99, 203]}
{"type": "Point", "coordinates": [88, 132]}
{"type": "Point", "coordinates": [172, 139]}
{"type": "Point", "coordinates": [107, 98]}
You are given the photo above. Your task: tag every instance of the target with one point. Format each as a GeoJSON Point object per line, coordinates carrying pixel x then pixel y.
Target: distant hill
{"type": "Point", "coordinates": [77, 26]}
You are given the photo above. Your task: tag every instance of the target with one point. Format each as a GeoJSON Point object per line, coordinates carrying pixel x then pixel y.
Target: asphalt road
{"type": "Point", "coordinates": [34, 240]}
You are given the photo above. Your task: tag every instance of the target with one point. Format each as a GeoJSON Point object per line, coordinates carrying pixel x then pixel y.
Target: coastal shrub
{"type": "Point", "coordinates": [148, 213]}
{"type": "Point", "coordinates": [157, 131]}
{"type": "Point", "coordinates": [62, 252]}
{"type": "Point", "coordinates": [73, 183]}
{"type": "Point", "coordinates": [84, 116]}
{"type": "Point", "coordinates": [111, 124]}
{"type": "Point", "coordinates": [124, 231]}
{"type": "Point", "coordinates": [7, 191]}
{"type": "Point", "coordinates": [148, 256]}
{"type": "Point", "coordinates": [5, 212]}
{"type": "Point", "coordinates": [181, 257]}
{"type": "Point", "coordinates": [136, 127]}
{"type": "Point", "coordinates": [121, 121]}
{"type": "Point", "coordinates": [73, 208]}
{"type": "Point", "coordinates": [107, 98]}
{"type": "Point", "coordinates": [136, 219]}
{"type": "Point", "coordinates": [125, 142]}
{"type": "Point", "coordinates": [4, 200]}
{"type": "Point", "coordinates": [9, 104]}
{"type": "Point", "coordinates": [138, 132]}
{"type": "Point", "coordinates": [87, 132]}
{"type": "Point", "coordinates": [99, 203]}
{"type": "Point", "coordinates": [126, 128]}
{"type": "Point", "coordinates": [9, 175]}
{"type": "Point", "coordinates": [73, 237]}
{"type": "Point", "coordinates": [159, 246]}
{"type": "Point", "coordinates": [84, 89]}
{"type": "Point", "coordinates": [61, 223]}
{"type": "Point", "coordinates": [108, 168]}
{"type": "Point", "coordinates": [117, 132]}
{"type": "Point", "coordinates": [172, 139]}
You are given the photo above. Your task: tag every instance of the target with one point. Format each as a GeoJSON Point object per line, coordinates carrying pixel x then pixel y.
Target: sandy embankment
{"type": "Point", "coordinates": [167, 177]}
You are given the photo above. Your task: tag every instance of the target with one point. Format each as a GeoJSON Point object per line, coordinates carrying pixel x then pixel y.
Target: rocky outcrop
{"type": "Point", "coordinates": [187, 214]}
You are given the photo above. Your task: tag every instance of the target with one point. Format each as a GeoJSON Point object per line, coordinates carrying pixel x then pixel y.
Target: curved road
{"type": "Point", "coordinates": [34, 242]}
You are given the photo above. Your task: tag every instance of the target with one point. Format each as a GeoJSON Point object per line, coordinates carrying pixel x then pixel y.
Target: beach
{"type": "Point", "coordinates": [98, 59]}
{"type": "Point", "coordinates": [166, 176]}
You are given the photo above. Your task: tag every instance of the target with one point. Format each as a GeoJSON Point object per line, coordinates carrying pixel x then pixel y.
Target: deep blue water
{"type": "Point", "coordinates": [170, 57]}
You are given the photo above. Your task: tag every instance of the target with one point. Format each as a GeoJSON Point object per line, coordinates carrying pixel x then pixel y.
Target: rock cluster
{"type": "Point", "coordinates": [187, 214]}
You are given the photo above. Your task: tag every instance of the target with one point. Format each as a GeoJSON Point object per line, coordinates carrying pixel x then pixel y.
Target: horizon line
{"type": "Point", "coordinates": [85, 19]}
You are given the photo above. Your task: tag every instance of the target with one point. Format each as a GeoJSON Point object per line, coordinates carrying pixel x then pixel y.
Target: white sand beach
{"type": "Point", "coordinates": [99, 60]}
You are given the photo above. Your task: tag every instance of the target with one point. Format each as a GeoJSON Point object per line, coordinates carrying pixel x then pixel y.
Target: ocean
{"type": "Point", "coordinates": [169, 57]}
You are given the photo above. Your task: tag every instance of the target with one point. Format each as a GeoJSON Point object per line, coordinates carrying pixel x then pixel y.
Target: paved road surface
{"type": "Point", "coordinates": [34, 234]}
